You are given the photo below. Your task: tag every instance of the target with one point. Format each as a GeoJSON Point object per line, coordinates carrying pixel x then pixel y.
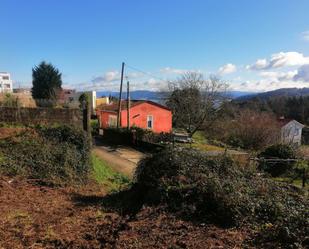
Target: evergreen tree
{"type": "Point", "coordinates": [46, 81]}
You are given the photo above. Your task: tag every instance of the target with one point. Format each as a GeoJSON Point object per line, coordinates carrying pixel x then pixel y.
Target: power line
{"type": "Point", "coordinates": [146, 73]}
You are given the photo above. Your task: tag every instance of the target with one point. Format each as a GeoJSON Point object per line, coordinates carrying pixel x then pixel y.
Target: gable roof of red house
{"type": "Point", "coordinates": [114, 107]}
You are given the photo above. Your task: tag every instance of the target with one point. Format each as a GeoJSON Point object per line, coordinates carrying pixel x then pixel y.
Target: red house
{"type": "Point", "coordinates": [143, 113]}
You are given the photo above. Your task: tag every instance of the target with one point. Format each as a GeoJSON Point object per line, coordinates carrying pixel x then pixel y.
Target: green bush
{"type": "Point", "coordinates": [235, 141]}
{"type": "Point", "coordinates": [277, 151]}
{"type": "Point", "coordinates": [135, 136]}
{"type": "Point", "coordinates": [94, 123]}
{"type": "Point", "coordinates": [58, 154]}
{"type": "Point", "coordinates": [215, 189]}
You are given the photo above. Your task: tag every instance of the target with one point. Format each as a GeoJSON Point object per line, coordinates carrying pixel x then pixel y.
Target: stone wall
{"type": "Point", "coordinates": [28, 116]}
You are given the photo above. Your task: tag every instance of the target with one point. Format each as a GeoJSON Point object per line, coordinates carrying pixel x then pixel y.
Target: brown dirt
{"type": "Point", "coordinates": [9, 132]}
{"type": "Point", "coordinates": [36, 216]}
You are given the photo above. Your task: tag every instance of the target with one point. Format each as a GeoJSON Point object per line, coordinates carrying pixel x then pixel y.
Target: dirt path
{"type": "Point", "coordinates": [122, 159]}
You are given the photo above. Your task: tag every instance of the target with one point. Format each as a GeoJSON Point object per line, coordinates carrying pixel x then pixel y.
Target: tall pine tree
{"type": "Point", "coordinates": [46, 81]}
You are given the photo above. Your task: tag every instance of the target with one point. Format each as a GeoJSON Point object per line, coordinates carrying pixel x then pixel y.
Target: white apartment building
{"type": "Point", "coordinates": [6, 85]}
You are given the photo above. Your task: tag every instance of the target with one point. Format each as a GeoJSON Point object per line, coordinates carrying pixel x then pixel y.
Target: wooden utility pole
{"type": "Point", "coordinates": [120, 94]}
{"type": "Point", "coordinates": [128, 105]}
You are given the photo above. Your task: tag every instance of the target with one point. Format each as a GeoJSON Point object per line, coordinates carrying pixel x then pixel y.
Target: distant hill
{"type": "Point", "coordinates": [140, 94]}
{"type": "Point", "coordinates": [160, 96]}
{"type": "Point", "coordinates": [282, 92]}
{"type": "Point", "coordinates": [238, 94]}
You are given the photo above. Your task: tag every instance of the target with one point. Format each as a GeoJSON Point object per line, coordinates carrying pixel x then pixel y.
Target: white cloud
{"type": "Point", "coordinates": [227, 69]}
{"type": "Point", "coordinates": [302, 74]}
{"type": "Point", "coordinates": [261, 85]}
{"type": "Point", "coordinates": [107, 77]}
{"type": "Point", "coordinates": [279, 76]}
{"type": "Point", "coordinates": [288, 59]}
{"type": "Point", "coordinates": [278, 60]}
{"type": "Point", "coordinates": [110, 81]}
{"type": "Point", "coordinates": [305, 35]}
{"type": "Point", "coordinates": [271, 80]}
{"type": "Point", "coordinates": [269, 74]}
{"type": "Point", "coordinates": [258, 65]}
{"type": "Point", "coordinates": [154, 84]}
{"type": "Point", "coordinates": [134, 75]}
{"type": "Point", "coordinates": [287, 76]}
{"type": "Point", "coordinates": [170, 70]}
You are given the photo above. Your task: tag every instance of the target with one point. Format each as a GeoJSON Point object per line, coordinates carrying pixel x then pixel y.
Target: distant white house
{"type": "Point", "coordinates": [6, 85]}
{"type": "Point", "coordinates": [291, 131]}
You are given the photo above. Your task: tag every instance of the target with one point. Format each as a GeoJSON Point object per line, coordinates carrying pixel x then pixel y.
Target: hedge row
{"type": "Point", "coordinates": [215, 189]}
{"type": "Point", "coordinates": [59, 154]}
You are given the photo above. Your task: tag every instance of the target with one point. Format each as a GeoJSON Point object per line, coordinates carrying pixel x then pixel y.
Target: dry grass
{"type": "Point", "coordinates": [201, 143]}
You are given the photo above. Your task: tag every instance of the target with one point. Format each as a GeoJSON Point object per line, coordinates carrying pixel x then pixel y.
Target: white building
{"type": "Point", "coordinates": [6, 85]}
{"type": "Point", "coordinates": [291, 132]}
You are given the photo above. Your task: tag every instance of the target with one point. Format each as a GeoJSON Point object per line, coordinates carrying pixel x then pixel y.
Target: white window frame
{"type": "Point", "coordinates": [150, 118]}
{"type": "Point", "coordinates": [112, 121]}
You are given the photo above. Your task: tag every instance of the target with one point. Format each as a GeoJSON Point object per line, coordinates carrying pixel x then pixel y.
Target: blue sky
{"type": "Point", "coordinates": [253, 45]}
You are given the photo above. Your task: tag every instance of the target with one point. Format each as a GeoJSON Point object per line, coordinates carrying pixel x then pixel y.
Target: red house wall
{"type": "Point", "coordinates": [104, 117]}
{"type": "Point", "coordinates": [162, 118]}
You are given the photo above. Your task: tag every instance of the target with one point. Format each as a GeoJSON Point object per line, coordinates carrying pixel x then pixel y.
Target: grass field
{"type": "Point", "coordinates": [201, 143]}
{"type": "Point", "coordinates": [103, 174]}
{"type": "Point", "coordinates": [295, 182]}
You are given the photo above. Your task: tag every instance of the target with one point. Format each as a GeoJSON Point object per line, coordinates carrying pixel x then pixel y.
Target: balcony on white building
{"type": "Point", "coordinates": [6, 84]}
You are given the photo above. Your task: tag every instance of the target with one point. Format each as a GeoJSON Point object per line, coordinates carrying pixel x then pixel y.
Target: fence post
{"type": "Point", "coordinates": [84, 107]}
{"type": "Point", "coordinates": [87, 118]}
{"type": "Point", "coordinates": [304, 178]}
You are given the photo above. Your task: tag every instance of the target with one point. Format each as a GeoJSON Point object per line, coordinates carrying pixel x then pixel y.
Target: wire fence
{"type": "Point", "coordinates": [299, 169]}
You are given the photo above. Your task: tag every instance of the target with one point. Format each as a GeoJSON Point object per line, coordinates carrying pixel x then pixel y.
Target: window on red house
{"type": "Point", "coordinates": [149, 122]}
{"type": "Point", "coordinates": [112, 121]}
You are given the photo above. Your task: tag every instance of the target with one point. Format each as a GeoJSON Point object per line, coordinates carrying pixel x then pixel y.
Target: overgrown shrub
{"type": "Point", "coordinates": [215, 189]}
{"type": "Point", "coordinates": [118, 136]}
{"type": "Point", "coordinates": [58, 154]}
{"type": "Point", "coordinates": [277, 151]}
{"type": "Point", "coordinates": [151, 137]}
{"type": "Point", "coordinates": [135, 135]}
{"type": "Point", "coordinates": [247, 129]}
{"type": "Point", "coordinates": [94, 123]}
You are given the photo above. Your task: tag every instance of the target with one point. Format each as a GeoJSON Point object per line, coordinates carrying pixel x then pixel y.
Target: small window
{"type": "Point", "coordinates": [5, 77]}
{"type": "Point", "coordinates": [149, 122]}
{"type": "Point", "coordinates": [296, 132]}
{"type": "Point", "coordinates": [112, 121]}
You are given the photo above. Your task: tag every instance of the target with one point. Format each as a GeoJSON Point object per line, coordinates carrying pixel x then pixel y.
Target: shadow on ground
{"type": "Point", "coordinates": [125, 202]}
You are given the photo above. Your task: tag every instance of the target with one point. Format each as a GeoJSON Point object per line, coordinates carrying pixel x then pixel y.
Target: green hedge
{"type": "Point", "coordinates": [215, 189]}
{"type": "Point", "coordinates": [59, 154]}
{"type": "Point", "coordinates": [135, 135]}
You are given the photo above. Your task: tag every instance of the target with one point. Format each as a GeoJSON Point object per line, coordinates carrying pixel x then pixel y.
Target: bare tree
{"type": "Point", "coordinates": [254, 130]}
{"type": "Point", "coordinates": [195, 101]}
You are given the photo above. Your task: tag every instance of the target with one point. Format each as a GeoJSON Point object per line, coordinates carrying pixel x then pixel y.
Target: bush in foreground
{"type": "Point", "coordinates": [215, 189]}
{"type": "Point", "coordinates": [58, 154]}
